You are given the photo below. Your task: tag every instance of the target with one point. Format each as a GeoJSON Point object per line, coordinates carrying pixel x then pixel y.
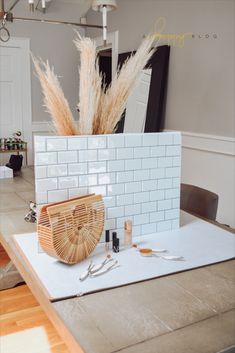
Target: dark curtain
{"type": "Point", "coordinates": [155, 115]}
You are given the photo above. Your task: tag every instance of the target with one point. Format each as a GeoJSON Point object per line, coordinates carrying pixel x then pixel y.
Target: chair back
{"type": "Point", "coordinates": [199, 201]}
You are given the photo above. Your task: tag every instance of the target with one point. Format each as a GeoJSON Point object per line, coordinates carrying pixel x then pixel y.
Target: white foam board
{"type": "Point", "coordinates": [200, 242]}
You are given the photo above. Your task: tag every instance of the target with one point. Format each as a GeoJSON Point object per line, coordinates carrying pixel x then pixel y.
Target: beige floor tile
{"type": "Point", "coordinates": [9, 201]}
{"type": "Point", "coordinates": [214, 290]}
{"type": "Point", "coordinates": [208, 336]}
{"type": "Point", "coordinates": [14, 185]}
{"type": "Point", "coordinates": [27, 196]}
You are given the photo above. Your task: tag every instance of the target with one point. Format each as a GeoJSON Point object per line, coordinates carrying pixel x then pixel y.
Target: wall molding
{"type": "Point", "coordinates": [208, 143]}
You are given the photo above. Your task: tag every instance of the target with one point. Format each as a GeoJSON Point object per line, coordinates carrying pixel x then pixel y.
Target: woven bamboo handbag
{"type": "Point", "coordinates": [70, 230]}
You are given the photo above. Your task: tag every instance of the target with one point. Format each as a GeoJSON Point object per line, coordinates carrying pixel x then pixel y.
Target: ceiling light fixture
{"type": "Point", "coordinates": [7, 16]}
{"type": "Point", "coordinates": [104, 6]}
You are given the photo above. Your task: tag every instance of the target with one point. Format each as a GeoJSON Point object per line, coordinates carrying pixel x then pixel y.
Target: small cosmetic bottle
{"type": "Point", "coordinates": [114, 236]}
{"type": "Point", "coordinates": [128, 233]}
{"type": "Point", "coordinates": [107, 241]}
{"type": "Point", "coordinates": [116, 245]}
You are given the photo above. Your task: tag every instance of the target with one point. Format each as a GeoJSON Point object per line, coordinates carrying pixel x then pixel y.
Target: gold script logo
{"type": "Point", "coordinates": [176, 40]}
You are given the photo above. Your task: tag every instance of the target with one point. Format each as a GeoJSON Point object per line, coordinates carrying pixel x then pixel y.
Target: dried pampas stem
{"type": "Point", "coordinates": [117, 94]}
{"type": "Point", "coordinates": [90, 91]}
{"type": "Point", "coordinates": [54, 99]}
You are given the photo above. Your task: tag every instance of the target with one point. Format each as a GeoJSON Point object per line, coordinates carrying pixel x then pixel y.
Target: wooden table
{"type": "Point", "coordinates": [192, 311]}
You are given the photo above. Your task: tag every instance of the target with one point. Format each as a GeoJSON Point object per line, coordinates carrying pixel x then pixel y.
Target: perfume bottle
{"type": "Point", "coordinates": [128, 233]}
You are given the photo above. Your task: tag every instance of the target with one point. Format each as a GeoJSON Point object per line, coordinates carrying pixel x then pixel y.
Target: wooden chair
{"type": "Point", "coordinates": [198, 201]}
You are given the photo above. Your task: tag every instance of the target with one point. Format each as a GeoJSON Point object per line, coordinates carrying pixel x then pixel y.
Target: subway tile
{"type": "Point", "coordinates": [126, 199]}
{"type": "Point", "coordinates": [172, 172]}
{"type": "Point", "coordinates": [109, 225]}
{"type": "Point", "coordinates": [115, 212]}
{"type": "Point", "coordinates": [176, 161]}
{"type": "Point", "coordinates": [136, 231]}
{"type": "Point", "coordinates": [77, 168]}
{"type": "Point", "coordinates": [141, 219]}
{"type": "Point", "coordinates": [176, 182]}
{"type": "Point", "coordinates": [157, 173]}
{"type": "Point", "coordinates": [109, 201]}
{"type": "Point", "coordinates": [87, 155]}
{"type": "Point", "coordinates": [46, 184]}
{"type": "Point", "coordinates": [163, 226]}
{"type": "Point", "coordinates": [115, 189]}
{"type": "Point", "coordinates": [133, 140]}
{"type": "Point", "coordinates": [142, 174]}
{"type": "Point", "coordinates": [177, 138]}
{"type": "Point", "coordinates": [158, 151]}
{"type": "Point", "coordinates": [99, 190]}
{"type": "Point", "coordinates": [41, 197]}
{"type": "Point", "coordinates": [141, 197]}
{"type": "Point", "coordinates": [156, 216]}
{"type": "Point", "coordinates": [106, 178]}
{"type": "Point", "coordinates": [148, 207]}
{"type": "Point", "coordinates": [172, 193]}
{"type": "Point", "coordinates": [96, 167]}
{"type": "Point", "coordinates": [77, 143]}
{"type": "Point", "coordinates": [40, 143]}
{"type": "Point", "coordinates": [87, 180]}
{"type": "Point", "coordinates": [132, 164]}
{"type": "Point", "coordinates": [125, 176]}
{"type": "Point", "coordinates": [46, 158]}
{"type": "Point", "coordinates": [149, 163]}
{"type": "Point", "coordinates": [115, 140]}
{"type": "Point", "coordinates": [95, 142]}
{"type": "Point", "coordinates": [175, 223]}
{"type": "Point", "coordinates": [68, 182]}
{"type": "Point", "coordinates": [141, 152]}
{"type": "Point", "coordinates": [56, 144]}
{"type": "Point", "coordinates": [40, 172]}
{"type": "Point", "coordinates": [57, 170]}
{"type": "Point", "coordinates": [173, 150]}
{"type": "Point", "coordinates": [156, 195]}
{"type": "Point", "coordinates": [150, 139]}
{"type": "Point", "coordinates": [165, 138]}
{"type": "Point", "coordinates": [176, 203]}
{"type": "Point", "coordinates": [164, 205]}
{"type": "Point", "coordinates": [148, 228]}
{"type": "Point", "coordinates": [57, 195]}
{"type": "Point", "coordinates": [132, 210]}
{"type": "Point", "coordinates": [67, 157]}
{"type": "Point", "coordinates": [133, 187]}
{"type": "Point", "coordinates": [115, 166]}
{"type": "Point", "coordinates": [171, 214]}
{"type": "Point", "coordinates": [75, 192]}
{"type": "Point", "coordinates": [125, 153]}
{"type": "Point", "coordinates": [107, 154]}
{"type": "Point", "coordinates": [164, 162]}
{"type": "Point", "coordinates": [164, 183]}
{"type": "Point", "coordinates": [149, 185]}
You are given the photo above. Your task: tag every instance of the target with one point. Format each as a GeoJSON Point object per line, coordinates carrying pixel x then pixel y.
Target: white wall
{"type": "Point", "coordinates": [52, 42]}
{"type": "Point", "coordinates": [201, 88]}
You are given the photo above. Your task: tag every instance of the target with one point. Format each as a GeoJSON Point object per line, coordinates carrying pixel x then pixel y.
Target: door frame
{"type": "Point", "coordinates": [24, 45]}
{"type": "Point", "coordinates": [112, 43]}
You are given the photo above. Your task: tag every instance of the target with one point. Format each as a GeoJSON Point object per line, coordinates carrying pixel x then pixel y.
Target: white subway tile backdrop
{"type": "Point", "coordinates": [138, 176]}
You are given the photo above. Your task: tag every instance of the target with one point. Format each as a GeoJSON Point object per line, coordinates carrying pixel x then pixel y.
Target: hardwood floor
{"type": "Point", "coordinates": [23, 320]}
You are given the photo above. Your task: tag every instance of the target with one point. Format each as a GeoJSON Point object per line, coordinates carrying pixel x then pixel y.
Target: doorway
{"type": "Point", "coordinates": [15, 93]}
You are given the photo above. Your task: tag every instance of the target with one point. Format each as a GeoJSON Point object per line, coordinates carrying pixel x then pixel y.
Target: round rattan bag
{"type": "Point", "coordinates": [70, 230]}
